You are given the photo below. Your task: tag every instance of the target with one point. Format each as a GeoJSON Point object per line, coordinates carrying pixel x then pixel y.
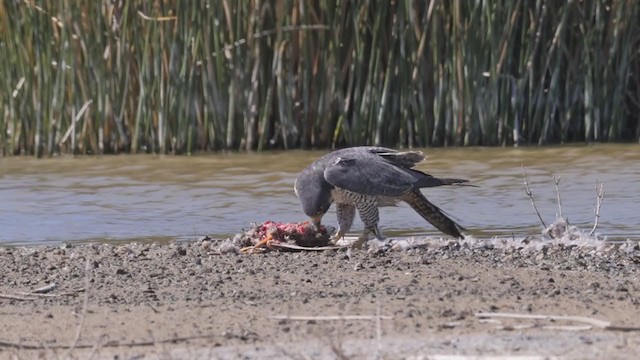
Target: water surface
{"type": "Point", "coordinates": [151, 198]}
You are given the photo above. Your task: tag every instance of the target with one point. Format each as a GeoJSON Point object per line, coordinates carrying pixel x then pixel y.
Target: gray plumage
{"type": "Point", "coordinates": [365, 178]}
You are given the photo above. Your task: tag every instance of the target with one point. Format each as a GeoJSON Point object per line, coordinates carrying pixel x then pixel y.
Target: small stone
{"type": "Point", "coordinates": [228, 247]}
{"type": "Point", "coordinates": [206, 245]}
{"type": "Point", "coordinates": [621, 288]}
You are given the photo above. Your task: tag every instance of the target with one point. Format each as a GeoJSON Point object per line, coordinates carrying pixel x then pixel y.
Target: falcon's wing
{"type": "Point", "coordinates": [367, 173]}
{"type": "Point", "coordinates": [409, 159]}
{"type": "Point", "coordinates": [406, 159]}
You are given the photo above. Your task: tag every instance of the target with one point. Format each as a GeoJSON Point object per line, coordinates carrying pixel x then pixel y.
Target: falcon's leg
{"type": "Point", "coordinates": [370, 216]}
{"type": "Point", "coordinates": [346, 213]}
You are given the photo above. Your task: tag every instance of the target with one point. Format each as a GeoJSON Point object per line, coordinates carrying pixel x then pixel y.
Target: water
{"type": "Point", "coordinates": [152, 198]}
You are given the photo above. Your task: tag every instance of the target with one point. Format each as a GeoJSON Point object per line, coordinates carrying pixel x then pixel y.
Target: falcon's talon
{"type": "Point", "coordinates": [262, 245]}
{"type": "Point", "coordinates": [339, 235]}
{"type": "Point", "coordinates": [251, 249]}
{"type": "Point", "coordinates": [365, 178]}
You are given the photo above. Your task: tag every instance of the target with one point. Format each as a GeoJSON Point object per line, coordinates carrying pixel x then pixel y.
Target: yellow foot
{"type": "Point", "coordinates": [337, 237]}
{"type": "Point", "coordinates": [261, 245]}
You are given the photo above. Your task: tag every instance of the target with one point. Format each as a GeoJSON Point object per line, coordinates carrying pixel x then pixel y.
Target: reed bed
{"type": "Point", "coordinates": [87, 76]}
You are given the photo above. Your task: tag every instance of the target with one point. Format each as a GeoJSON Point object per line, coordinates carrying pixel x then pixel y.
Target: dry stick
{"type": "Point", "coordinates": [27, 346]}
{"type": "Point", "coordinates": [556, 180]}
{"type": "Point", "coordinates": [527, 191]}
{"type": "Point", "coordinates": [605, 325]}
{"type": "Point", "coordinates": [18, 87]}
{"type": "Point", "coordinates": [15, 345]}
{"type": "Point", "coordinates": [75, 120]}
{"type": "Point", "coordinates": [265, 33]}
{"type": "Point", "coordinates": [593, 322]}
{"type": "Point", "coordinates": [306, 248]}
{"type": "Point", "coordinates": [378, 327]}
{"type": "Point", "coordinates": [568, 327]}
{"type": "Point", "coordinates": [36, 295]}
{"type": "Point", "coordinates": [85, 301]}
{"type": "Point", "coordinates": [46, 289]}
{"type": "Point", "coordinates": [158, 18]}
{"type": "Point", "coordinates": [599, 198]}
{"type": "Point", "coordinates": [17, 297]}
{"type": "Point", "coordinates": [27, 296]}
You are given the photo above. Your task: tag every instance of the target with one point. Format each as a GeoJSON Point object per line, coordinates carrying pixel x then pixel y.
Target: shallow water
{"type": "Point", "coordinates": [152, 198]}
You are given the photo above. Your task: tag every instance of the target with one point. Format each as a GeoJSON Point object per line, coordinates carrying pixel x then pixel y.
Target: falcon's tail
{"type": "Point", "coordinates": [432, 213]}
{"type": "Point", "coordinates": [429, 181]}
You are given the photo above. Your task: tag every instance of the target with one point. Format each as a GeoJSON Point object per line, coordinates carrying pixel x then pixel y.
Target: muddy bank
{"type": "Point", "coordinates": [186, 300]}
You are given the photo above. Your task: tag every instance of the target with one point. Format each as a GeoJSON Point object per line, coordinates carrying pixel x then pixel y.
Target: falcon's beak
{"type": "Point", "coordinates": [316, 221]}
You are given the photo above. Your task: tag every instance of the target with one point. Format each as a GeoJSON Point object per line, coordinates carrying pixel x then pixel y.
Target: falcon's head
{"type": "Point", "coordinates": [314, 192]}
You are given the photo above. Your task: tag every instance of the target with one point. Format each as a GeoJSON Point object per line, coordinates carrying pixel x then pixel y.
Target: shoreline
{"type": "Point", "coordinates": [183, 300]}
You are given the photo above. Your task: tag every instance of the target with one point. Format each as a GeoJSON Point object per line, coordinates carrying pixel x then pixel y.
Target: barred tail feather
{"type": "Point", "coordinates": [432, 213]}
{"type": "Point", "coordinates": [430, 181]}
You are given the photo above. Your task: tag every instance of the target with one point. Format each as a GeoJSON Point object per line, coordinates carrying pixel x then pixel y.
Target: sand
{"type": "Point", "coordinates": [186, 301]}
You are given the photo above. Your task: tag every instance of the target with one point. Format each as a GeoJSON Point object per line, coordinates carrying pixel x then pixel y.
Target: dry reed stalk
{"type": "Point", "coordinates": [182, 77]}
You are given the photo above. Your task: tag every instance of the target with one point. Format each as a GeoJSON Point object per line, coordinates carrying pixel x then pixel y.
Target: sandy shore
{"type": "Point", "coordinates": [187, 301]}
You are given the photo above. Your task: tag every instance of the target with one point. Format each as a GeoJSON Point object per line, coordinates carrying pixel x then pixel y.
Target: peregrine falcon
{"type": "Point", "coordinates": [365, 178]}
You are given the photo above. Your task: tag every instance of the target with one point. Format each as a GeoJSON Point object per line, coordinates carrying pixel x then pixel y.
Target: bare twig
{"type": "Point", "coordinates": [306, 248]}
{"type": "Point", "coordinates": [527, 191]}
{"type": "Point", "coordinates": [18, 297]}
{"type": "Point", "coordinates": [265, 33]}
{"type": "Point", "coordinates": [157, 18]}
{"type": "Point", "coordinates": [46, 289]}
{"type": "Point", "coordinates": [18, 87]}
{"type": "Point", "coordinates": [556, 180]}
{"type": "Point", "coordinates": [601, 324]}
{"type": "Point", "coordinates": [599, 198]}
{"type": "Point", "coordinates": [85, 302]}
{"type": "Point", "coordinates": [31, 346]}
{"type": "Point", "coordinates": [568, 327]}
{"type": "Point", "coordinates": [378, 328]}
{"type": "Point", "coordinates": [591, 321]}
{"type": "Point", "coordinates": [26, 296]}
{"type": "Point", "coordinates": [75, 120]}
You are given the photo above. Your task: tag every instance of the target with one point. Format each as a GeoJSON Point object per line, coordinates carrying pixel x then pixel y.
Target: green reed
{"type": "Point", "coordinates": [177, 77]}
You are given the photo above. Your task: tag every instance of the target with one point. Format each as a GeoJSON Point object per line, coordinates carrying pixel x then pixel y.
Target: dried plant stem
{"type": "Point", "coordinates": [601, 324]}
{"type": "Point", "coordinates": [17, 297]}
{"type": "Point", "coordinates": [83, 314]}
{"type": "Point", "coordinates": [556, 180]}
{"type": "Point", "coordinates": [75, 120]}
{"type": "Point", "coordinates": [599, 198]}
{"type": "Point", "coordinates": [31, 346]}
{"type": "Point", "coordinates": [378, 328]}
{"type": "Point", "coordinates": [178, 77]}
{"type": "Point", "coordinates": [26, 296]}
{"type": "Point", "coordinates": [529, 193]}
{"type": "Point", "coordinates": [586, 320]}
